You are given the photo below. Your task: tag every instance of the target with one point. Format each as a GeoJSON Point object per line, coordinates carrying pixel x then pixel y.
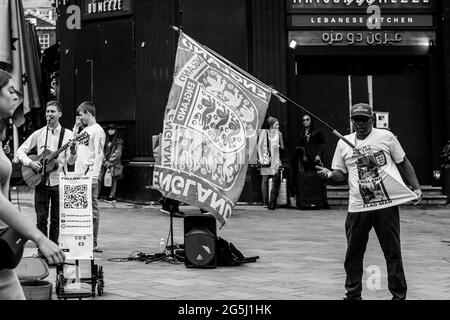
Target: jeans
{"type": "Point", "coordinates": [95, 211]}
{"type": "Point", "coordinates": [45, 196]}
{"type": "Point", "coordinates": [386, 223]}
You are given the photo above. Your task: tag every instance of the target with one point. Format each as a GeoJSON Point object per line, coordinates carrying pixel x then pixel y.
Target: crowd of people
{"type": "Point", "coordinates": [100, 155]}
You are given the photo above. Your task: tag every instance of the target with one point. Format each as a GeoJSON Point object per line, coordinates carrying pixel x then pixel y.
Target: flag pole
{"type": "Point", "coordinates": [280, 96]}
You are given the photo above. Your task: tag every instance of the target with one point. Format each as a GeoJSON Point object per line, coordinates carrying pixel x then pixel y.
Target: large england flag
{"type": "Point", "coordinates": [211, 123]}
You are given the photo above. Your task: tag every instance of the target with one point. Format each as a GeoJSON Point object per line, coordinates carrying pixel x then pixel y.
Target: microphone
{"type": "Point", "coordinates": [48, 126]}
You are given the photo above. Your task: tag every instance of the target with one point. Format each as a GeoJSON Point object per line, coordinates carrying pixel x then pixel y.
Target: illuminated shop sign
{"type": "Point", "coordinates": [94, 9]}
{"type": "Point", "coordinates": [360, 20]}
{"type": "Point", "coordinates": [363, 38]}
{"type": "Point", "coordinates": [302, 5]}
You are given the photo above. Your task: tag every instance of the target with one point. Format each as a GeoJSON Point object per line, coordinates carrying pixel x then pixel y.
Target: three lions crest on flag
{"type": "Point", "coordinates": [211, 123]}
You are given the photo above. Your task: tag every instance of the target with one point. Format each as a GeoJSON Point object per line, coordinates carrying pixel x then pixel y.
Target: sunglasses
{"type": "Point", "coordinates": [306, 120]}
{"type": "Point", "coordinates": [360, 119]}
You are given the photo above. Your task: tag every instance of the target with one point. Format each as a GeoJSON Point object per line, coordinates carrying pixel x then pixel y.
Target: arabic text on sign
{"type": "Point", "coordinates": [372, 38]}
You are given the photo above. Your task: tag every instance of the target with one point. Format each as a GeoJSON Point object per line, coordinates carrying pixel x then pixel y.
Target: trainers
{"type": "Point", "coordinates": [110, 199]}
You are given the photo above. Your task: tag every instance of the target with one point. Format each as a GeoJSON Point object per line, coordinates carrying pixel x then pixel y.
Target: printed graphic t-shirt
{"type": "Point", "coordinates": [90, 151]}
{"type": "Point", "coordinates": [374, 180]}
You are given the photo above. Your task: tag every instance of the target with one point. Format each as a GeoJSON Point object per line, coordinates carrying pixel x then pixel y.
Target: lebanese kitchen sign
{"type": "Point", "coordinates": [95, 9]}
{"type": "Point", "coordinates": [397, 21]}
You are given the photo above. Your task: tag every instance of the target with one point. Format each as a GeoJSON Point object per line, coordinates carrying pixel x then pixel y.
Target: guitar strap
{"type": "Point", "coordinates": [61, 137]}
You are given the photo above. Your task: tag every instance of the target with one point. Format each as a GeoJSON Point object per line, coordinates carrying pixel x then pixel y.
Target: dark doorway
{"type": "Point", "coordinates": [327, 85]}
{"type": "Point", "coordinates": [105, 74]}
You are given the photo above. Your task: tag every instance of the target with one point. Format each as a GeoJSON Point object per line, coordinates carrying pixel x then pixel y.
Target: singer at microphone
{"type": "Point", "coordinates": [47, 140]}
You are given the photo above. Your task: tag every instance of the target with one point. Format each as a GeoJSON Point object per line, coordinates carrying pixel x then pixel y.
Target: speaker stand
{"type": "Point", "coordinates": [171, 256]}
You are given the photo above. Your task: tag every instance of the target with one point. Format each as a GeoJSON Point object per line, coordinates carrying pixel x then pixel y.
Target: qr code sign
{"type": "Point", "coordinates": [75, 197]}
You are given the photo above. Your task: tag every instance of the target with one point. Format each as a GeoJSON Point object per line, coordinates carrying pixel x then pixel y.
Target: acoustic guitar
{"type": "Point", "coordinates": [33, 177]}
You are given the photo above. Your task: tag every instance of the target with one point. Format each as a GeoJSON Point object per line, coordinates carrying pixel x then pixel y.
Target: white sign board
{"type": "Point", "coordinates": [76, 221]}
{"type": "Point", "coordinates": [382, 120]}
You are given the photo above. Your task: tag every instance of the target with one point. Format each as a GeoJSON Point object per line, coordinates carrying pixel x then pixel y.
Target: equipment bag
{"type": "Point", "coordinates": [228, 255]}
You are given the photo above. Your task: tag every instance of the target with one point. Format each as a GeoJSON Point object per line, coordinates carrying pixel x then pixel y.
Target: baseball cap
{"type": "Point", "coordinates": [361, 109]}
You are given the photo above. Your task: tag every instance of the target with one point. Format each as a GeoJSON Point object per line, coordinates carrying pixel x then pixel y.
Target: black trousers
{"type": "Point", "coordinates": [45, 197]}
{"type": "Point", "coordinates": [386, 223]}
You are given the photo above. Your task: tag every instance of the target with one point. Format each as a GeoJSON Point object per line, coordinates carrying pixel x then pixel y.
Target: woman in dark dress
{"type": "Point", "coordinates": [309, 153]}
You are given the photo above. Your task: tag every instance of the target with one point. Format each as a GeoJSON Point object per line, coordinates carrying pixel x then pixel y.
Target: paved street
{"type": "Point", "coordinates": [301, 255]}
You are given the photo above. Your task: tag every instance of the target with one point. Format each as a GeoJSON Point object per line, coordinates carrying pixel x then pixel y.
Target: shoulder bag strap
{"type": "Point", "coordinates": [268, 143]}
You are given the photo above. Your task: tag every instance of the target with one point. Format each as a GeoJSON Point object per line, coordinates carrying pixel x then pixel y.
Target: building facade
{"type": "Point", "coordinates": [325, 55]}
{"type": "Point", "coordinates": [42, 14]}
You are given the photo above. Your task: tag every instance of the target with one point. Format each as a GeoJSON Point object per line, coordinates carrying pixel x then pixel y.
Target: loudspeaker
{"type": "Point", "coordinates": [200, 238]}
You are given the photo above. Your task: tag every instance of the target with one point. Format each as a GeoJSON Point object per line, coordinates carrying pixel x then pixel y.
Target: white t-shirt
{"type": "Point", "coordinates": [374, 180]}
{"type": "Point", "coordinates": [90, 155]}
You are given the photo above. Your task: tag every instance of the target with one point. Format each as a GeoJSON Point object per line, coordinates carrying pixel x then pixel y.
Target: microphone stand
{"type": "Point", "coordinates": [44, 161]}
{"type": "Point", "coordinates": [170, 257]}
{"type": "Point", "coordinates": [44, 165]}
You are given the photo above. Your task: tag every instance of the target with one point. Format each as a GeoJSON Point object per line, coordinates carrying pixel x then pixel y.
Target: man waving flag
{"type": "Point", "coordinates": [212, 117]}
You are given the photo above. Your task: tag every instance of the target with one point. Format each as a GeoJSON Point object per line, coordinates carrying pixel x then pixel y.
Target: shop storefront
{"type": "Point", "coordinates": [386, 55]}
{"type": "Point", "coordinates": [324, 54]}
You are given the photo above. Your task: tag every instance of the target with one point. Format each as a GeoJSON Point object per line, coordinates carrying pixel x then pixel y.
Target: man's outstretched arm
{"type": "Point", "coordinates": [335, 175]}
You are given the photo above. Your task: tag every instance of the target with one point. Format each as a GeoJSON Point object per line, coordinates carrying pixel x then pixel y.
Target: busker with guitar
{"type": "Point", "coordinates": [46, 140]}
{"type": "Point", "coordinates": [10, 217]}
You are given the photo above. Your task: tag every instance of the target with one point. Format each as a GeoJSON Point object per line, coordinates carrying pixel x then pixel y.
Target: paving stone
{"type": "Point", "coordinates": [301, 255]}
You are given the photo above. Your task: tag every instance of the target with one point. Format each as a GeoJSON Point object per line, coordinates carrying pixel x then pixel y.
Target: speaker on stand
{"type": "Point", "coordinates": [200, 241]}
